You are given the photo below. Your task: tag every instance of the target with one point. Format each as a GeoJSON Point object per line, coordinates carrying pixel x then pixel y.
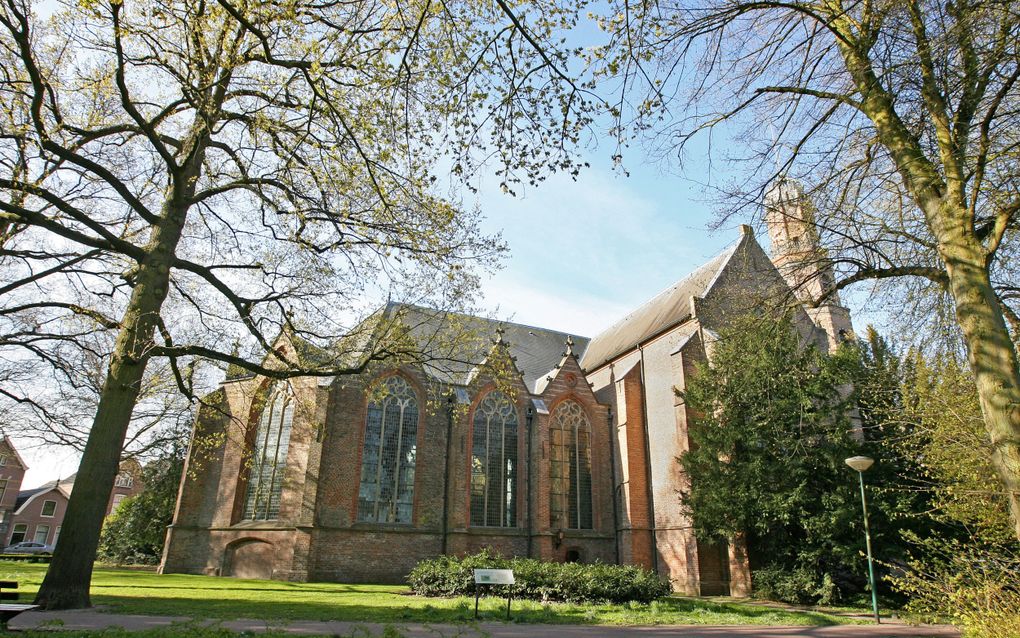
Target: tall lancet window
{"type": "Point", "coordinates": [494, 462]}
{"type": "Point", "coordinates": [269, 456]}
{"type": "Point", "coordinates": [570, 468]}
{"type": "Point", "coordinates": [386, 493]}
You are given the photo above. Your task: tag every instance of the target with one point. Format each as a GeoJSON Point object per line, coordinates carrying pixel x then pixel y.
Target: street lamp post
{"type": "Point", "coordinates": [861, 464]}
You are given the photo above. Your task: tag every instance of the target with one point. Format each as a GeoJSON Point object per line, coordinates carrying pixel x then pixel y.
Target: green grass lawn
{"type": "Point", "coordinates": [139, 592]}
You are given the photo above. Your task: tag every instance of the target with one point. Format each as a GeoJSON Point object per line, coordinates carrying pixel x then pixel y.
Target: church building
{"type": "Point", "coordinates": [569, 454]}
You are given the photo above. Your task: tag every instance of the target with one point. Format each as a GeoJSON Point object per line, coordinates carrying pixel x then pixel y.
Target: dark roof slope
{"type": "Point", "coordinates": [459, 343]}
{"type": "Point", "coordinates": [669, 308]}
{"type": "Point", "coordinates": [24, 495]}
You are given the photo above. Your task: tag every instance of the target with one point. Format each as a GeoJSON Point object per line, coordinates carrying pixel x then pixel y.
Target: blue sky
{"type": "Point", "coordinates": [583, 253]}
{"type": "Point", "coordinates": [586, 252]}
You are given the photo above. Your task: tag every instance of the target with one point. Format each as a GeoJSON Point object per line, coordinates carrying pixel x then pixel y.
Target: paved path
{"type": "Point", "coordinates": [97, 620]}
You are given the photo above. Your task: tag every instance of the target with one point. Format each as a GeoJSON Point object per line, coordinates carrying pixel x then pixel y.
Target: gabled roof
{"type": "Point", "coordinates": [669, 308]}
{"type": "Point", "coordinates": [10, 445]}
{"type": "Point", "coordinates": [462, 342]}
{"type": "Point", "coordinates": [27, 496]}
{"type": "Point", "coordinates": [453, 346]}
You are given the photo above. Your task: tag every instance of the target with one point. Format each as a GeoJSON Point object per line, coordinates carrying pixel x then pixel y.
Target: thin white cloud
{"type": "Point", "coordinates": [589, 252]}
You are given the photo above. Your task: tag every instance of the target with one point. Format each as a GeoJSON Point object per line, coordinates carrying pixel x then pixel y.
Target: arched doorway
{"type": "Point", "coordinates": [249, 558]}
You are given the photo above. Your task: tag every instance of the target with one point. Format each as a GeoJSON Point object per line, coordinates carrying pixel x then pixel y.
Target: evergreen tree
{"type": "Point", "coordinates": [767, 446]}
{"type": "Point", "coordinates": [774, 422]}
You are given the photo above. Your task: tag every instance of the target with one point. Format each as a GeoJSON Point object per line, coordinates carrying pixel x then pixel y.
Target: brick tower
{"type": "Point", "coordinates": [797, 253]}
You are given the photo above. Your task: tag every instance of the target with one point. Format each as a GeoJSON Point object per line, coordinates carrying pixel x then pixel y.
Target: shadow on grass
{"type": "Point", "coordinates": [194, 596]}
{"type": "Point", "coordinates": [461, 610]}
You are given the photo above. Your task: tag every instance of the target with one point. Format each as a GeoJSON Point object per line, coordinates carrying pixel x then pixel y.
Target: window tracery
{"type": "Point", "coordinates": [570, 499]}
{"type": "Point", "coordinates": [269, 457]}
{"type": "Point", "coordinates": [494, 462]}
{"type": "Point", "coordinates": [386, 491]}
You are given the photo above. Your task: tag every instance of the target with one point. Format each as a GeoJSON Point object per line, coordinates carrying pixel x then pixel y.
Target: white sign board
{"type": "Point", "coordinates": [494, 577]}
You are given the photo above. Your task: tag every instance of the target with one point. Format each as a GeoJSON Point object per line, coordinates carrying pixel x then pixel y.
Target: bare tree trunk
{"type": "Point", "coordinates": [67, 581]}
{"type": "Point", "coordinates": [993, 360]}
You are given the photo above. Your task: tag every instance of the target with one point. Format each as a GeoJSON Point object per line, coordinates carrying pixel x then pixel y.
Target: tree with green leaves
{"type": "Point", "coordinates": [899, 118]}
{"type": "Point", "coordinates": [767, 448]}
{"type": "Point", "coordinates": [968, 570]}
{"type": "Point", "coordinates": [134, 533]}
{"type": "Point", "coordinates": [772, 429]}
{"type": "Point", "coordinates": [195, 178]}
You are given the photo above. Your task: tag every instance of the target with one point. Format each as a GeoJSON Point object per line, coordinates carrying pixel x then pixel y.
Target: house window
{"type": "Point", "coordinates": [570, 468]}
{"type": "Point", "coordinates": [56, 535]}
{"type": "Point", "coordinates": [19, 533]}
{"type": "Point", "coordinates": [494, 463]}
{"type": "Point", "coordinates": [386, 493]}
{"type": "Point", "coordinates": [124, 480]}
{"type": "Point", "coordinates": [3, 488]}
{"type": "Point", "coordinates": [42, 532]}
{"type": "Point", "coordinates": [49, 508]}
{"type": "Point", "coordinates": [269, 457]}
{"type": "Point", "coordinates": [117, 498]}
{"type": "Point", "coordinates": [3, 460]}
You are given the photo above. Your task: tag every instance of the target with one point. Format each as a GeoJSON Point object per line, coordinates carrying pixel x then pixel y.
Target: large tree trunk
{"type": "Point", "coordinates": [992, 357]}
{"type": "Point", "coordinates": [67, 581]}
{"type": "Point", "coordinates": [990, 352]}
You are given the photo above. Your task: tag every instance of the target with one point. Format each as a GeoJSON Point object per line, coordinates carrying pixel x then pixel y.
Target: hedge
{"type": "Point", "coordinates": [539, 580]}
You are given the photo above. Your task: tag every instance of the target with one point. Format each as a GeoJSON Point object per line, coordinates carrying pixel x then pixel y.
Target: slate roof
{"type": "Point", "coordinates": [462, 342]}
{"type": "Point", "coordinates": [24, 496]}
{"type": "Point", "coordinates": [669, 308]}
{"type": "Point", "coordinates": [454, 344]}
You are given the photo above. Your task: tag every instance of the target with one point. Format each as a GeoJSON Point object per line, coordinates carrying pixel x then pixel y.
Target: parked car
{"type": "Point", "coordinates": [29, 547]}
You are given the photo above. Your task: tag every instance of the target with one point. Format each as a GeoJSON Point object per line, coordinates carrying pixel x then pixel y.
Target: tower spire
{"type": "Point", "coordinates": [800, 258]}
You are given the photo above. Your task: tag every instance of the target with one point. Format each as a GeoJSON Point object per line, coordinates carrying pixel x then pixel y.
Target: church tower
{"type": "Point", "coordinates": [797, 253]}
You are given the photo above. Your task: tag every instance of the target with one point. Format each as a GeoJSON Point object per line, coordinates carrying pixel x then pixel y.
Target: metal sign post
{"type": "Point", "coordinates": [490, 577]}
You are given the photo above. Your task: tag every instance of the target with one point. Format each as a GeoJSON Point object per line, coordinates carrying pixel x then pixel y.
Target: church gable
{"type": "Point", "coordinates": [667, 309]}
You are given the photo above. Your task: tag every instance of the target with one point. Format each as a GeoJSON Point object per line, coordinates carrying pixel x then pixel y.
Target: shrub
{"type": "Point", "coordinates": [800, 585]}
{"type": "Point", "coordinates": [976, 588]}
{"type": "Point", "coordinates": [539, 580]}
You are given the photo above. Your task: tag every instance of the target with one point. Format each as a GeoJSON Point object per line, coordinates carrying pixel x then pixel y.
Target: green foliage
{"type": "Point", "coordinates": [539, 580]}
{"type": "Point", "coordinates": [800, 585]}
{"type": "Point", "coordinates": [134, 533]}
{"type": "Point", "coordinates": [123, 591]}
{"type": "Point", "coordinates": [977, 586]}
{"type": "Point", "coordinates": [767, 446]}
{"type": "Point", "coordinates": [948, 437]}
{"type": "Point", "coordinates": [967, 570]}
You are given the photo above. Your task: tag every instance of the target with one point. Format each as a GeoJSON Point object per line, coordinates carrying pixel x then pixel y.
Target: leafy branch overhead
{"type": "Point", "coordinates": [900, 120]}
{"type": "Point", "coordinates": [192, 179]}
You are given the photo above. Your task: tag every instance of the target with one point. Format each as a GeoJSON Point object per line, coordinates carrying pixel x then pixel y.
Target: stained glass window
{"type": "Point", "coordinates": [494, 462]}
{"type": "Point", "coordinates": [386, 493]}
{"type": "Point", "coordinates": [269, 457]}
{"type": "Point", "coordinates": [570, 468]}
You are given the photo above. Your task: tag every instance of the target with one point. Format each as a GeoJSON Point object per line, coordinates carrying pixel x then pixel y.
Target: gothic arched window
{"type": "Point", "coordinates": [386, 493]}
{"type": "Point", "coordinates": [570, 468]}
{"type": "Point", "coordinates": [269, 456]}
{"type": "Point", "coordinates": [494, 462]}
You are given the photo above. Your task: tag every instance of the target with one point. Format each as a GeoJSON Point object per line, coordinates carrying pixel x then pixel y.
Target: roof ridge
{"type": "Point", "coordinates": [676, 284]}
{"type": "Point", "coordinates": [490, 320]}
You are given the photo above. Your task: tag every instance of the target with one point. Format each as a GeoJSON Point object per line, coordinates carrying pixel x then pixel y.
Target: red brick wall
{"type": "Point", "coordinates": [12, 472]}
{"type": "Point", "coordinates": [639, 536]}
{"type": "Point", "coordinates": [318, 535]}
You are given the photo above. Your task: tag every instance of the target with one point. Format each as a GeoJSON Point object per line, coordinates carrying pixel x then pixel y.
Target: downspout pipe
{"type": "Point", "coordinates": [648, 464]}
{"type": "Point", "coordinates": [446, 471]}
{"type": "Point", "coordinates": [612, 474]}
{"type": "Point", "coordinates": [529, 419]}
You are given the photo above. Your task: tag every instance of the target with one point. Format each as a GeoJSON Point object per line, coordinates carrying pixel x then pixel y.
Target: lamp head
{"type": "Point", "coordinates": [860, 463]}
